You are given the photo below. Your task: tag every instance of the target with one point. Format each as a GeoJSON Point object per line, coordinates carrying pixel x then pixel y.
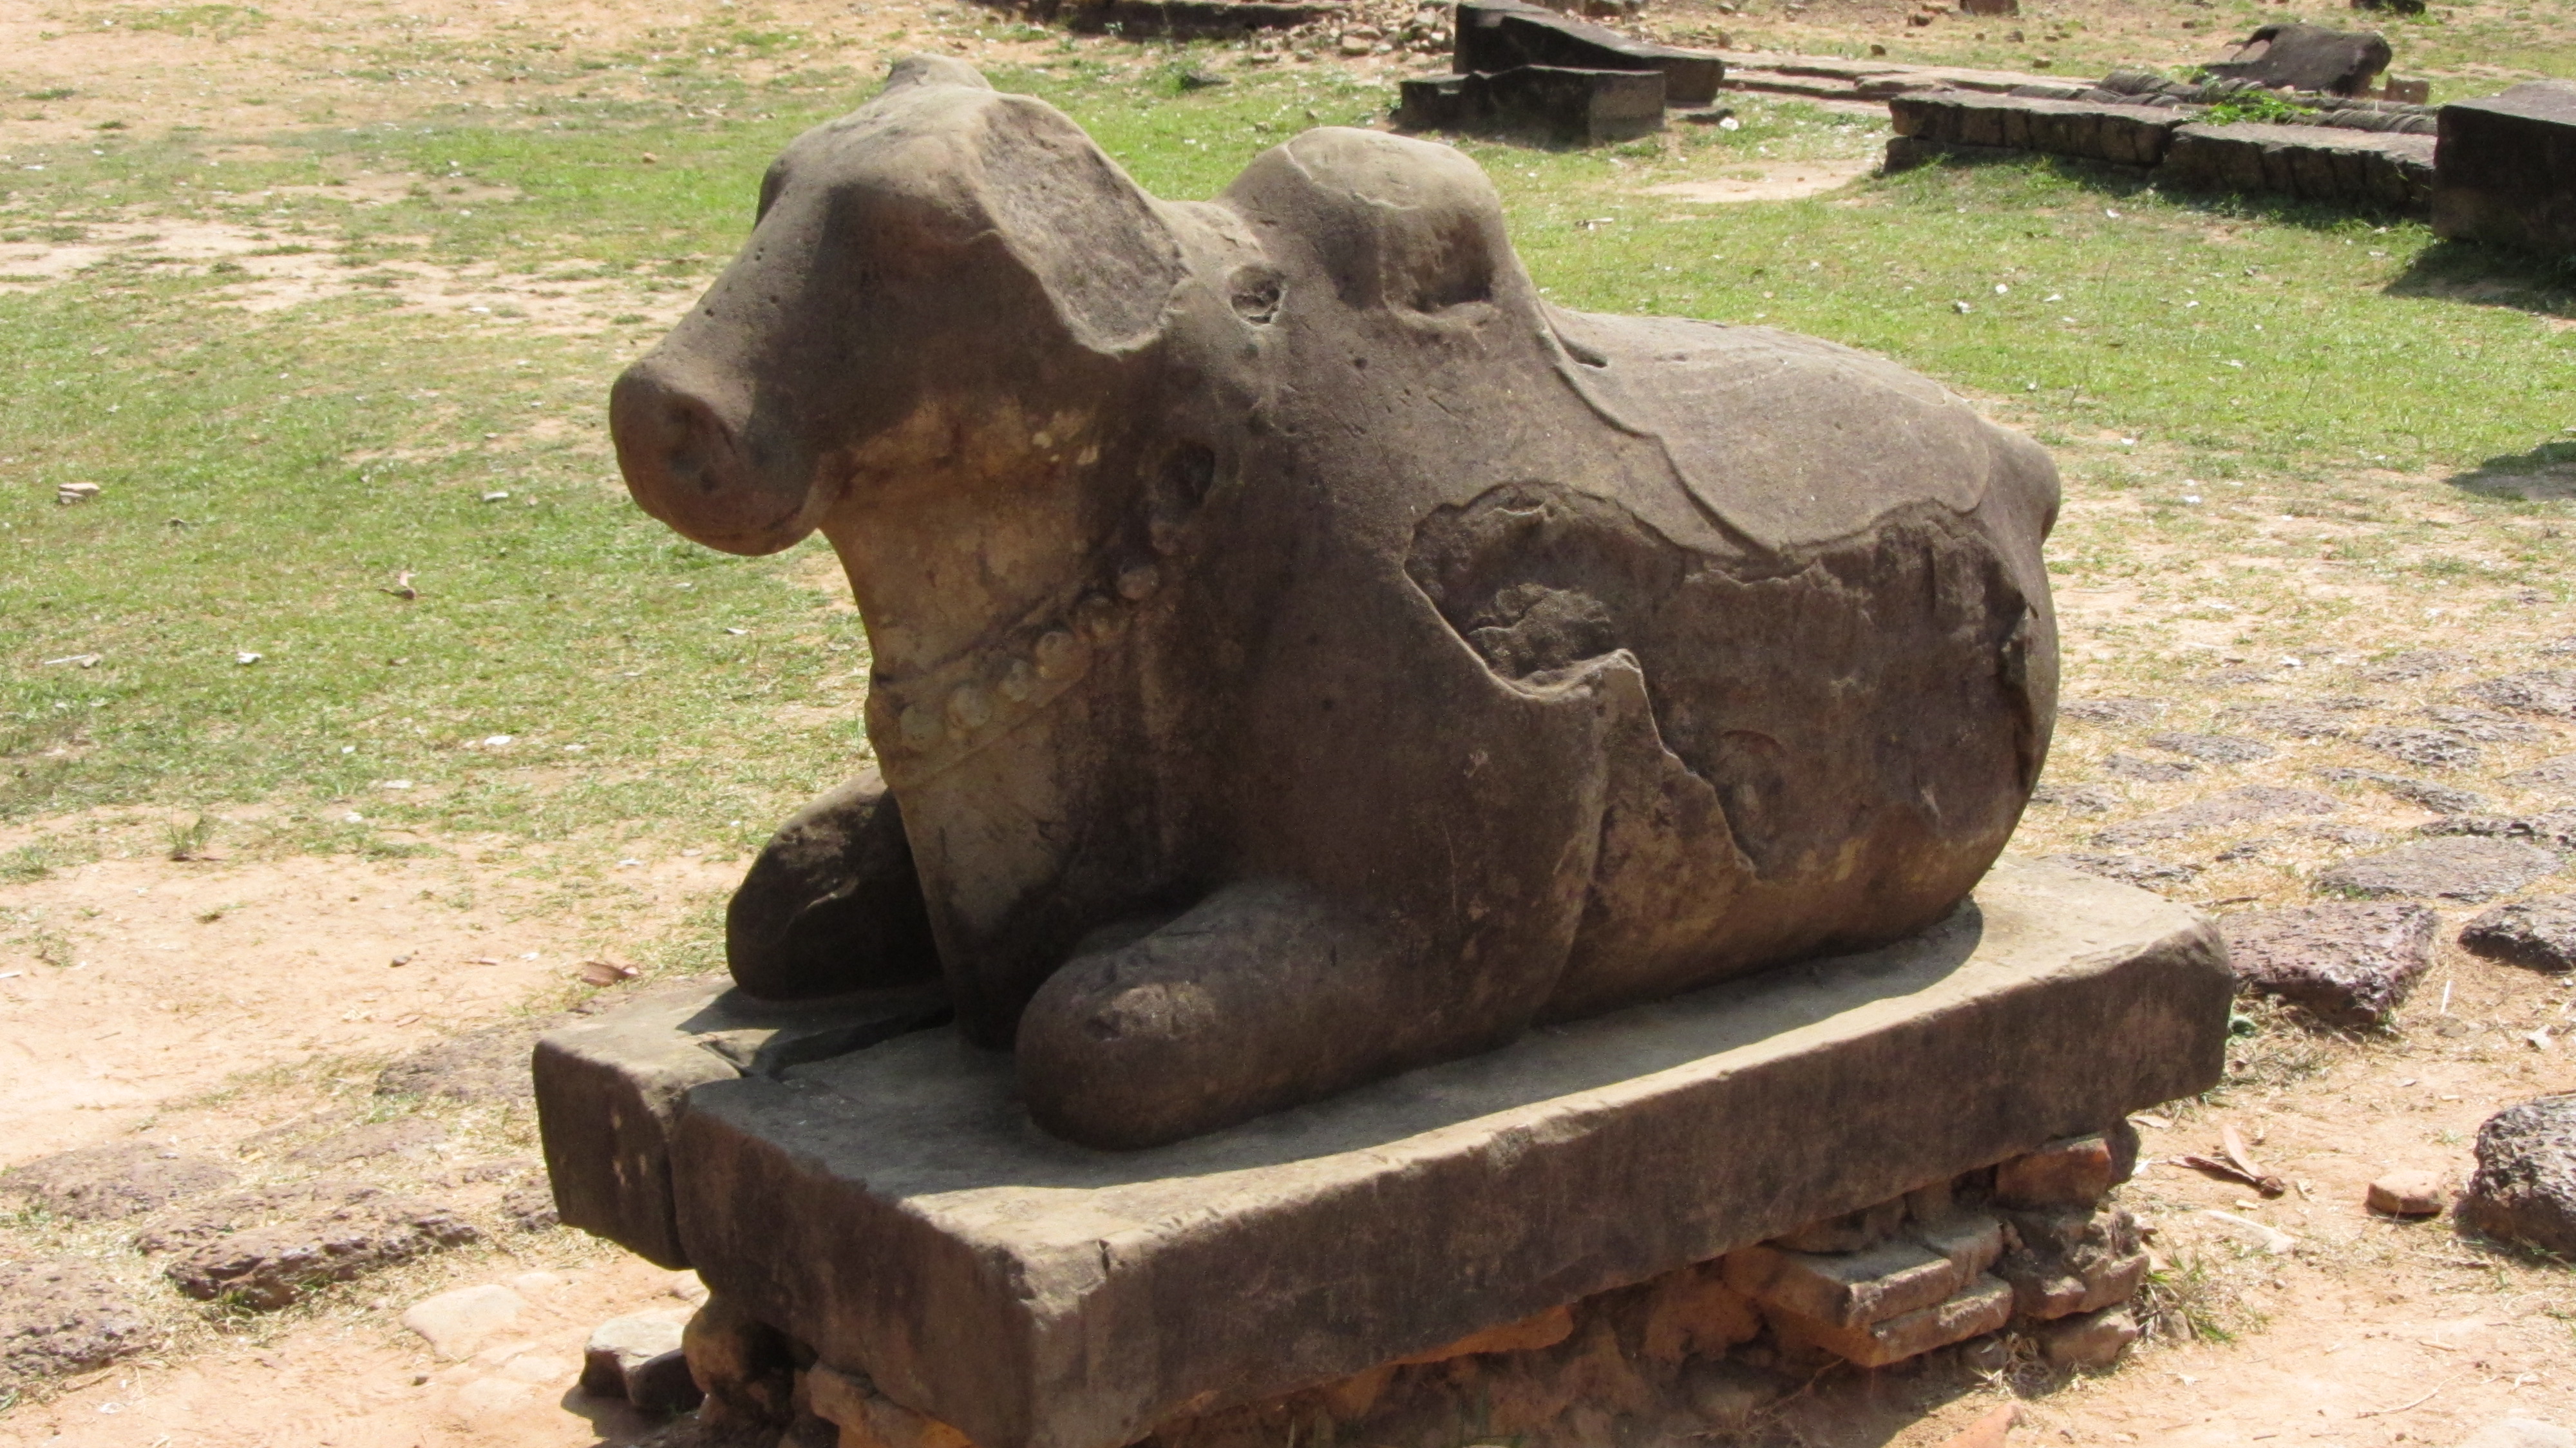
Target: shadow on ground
{"type": "Point", "coordinates": [2546, 474]}
{"type": "Point", "coordinates": [2467, 271]}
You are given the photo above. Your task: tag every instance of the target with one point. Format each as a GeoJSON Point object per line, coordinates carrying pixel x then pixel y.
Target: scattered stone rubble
{"type": "Point", "coordinates": [2525, 1187]}
{"type": "Point", "coordinates": [2031, 1245]}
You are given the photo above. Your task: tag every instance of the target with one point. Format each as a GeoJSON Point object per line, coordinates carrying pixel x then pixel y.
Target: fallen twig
{"type": "Point", "coordinates": [2402, 1407]}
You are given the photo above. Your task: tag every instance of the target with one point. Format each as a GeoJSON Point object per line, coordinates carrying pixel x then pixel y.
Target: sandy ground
{"type": "Point", "coordinates": [200, 1003]}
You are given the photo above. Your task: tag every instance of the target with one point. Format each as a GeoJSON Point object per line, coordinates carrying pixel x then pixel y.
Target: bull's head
{"type": "Point", "coordinates": [927, 275]}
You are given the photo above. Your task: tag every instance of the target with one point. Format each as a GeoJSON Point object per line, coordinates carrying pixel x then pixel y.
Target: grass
{"type": "Point", "coordinates": [569, 668]}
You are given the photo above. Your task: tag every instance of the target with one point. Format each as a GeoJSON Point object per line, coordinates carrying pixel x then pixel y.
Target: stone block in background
{"type": "Point", "coordinates": [2120, 134]}
{"type": "Point", "coordinates": [1553, 104]}
{"type": "Point", "coordinates": [893, 1210]}
{"type": "Point", "coordinates": [639, 1358]}
{"type": "Point", "coordinates": [608, 1087]}
{"type": "Point", "coordinates": [2393, 169]}
{"type": "Point", "coordinates": [2525, 1186]}
{"type": "Point", "coordinates": [1500, 35]}
{"type": "Point", "coordinates": [2506, 169]}
{"type": "Point", "coordinates": [1176, 19]}
{"type": "Point", "coordinates": [2308, 58]}
{"type": "Point", "coordinates": [2348, 965]}
{"type": "Point", "coordinates": [2536, 934]}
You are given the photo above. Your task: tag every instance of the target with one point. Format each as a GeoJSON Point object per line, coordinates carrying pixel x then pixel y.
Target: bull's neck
{"type": "Point", "coordinates": [984, 603]}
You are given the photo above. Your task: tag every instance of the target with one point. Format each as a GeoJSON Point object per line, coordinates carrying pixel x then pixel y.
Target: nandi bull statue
{"type": "Point", "coordinates": [1303, 653]}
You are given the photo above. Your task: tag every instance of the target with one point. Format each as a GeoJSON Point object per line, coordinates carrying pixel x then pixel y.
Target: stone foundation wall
{"type": "Point", "coordinates": [2029, 1256]}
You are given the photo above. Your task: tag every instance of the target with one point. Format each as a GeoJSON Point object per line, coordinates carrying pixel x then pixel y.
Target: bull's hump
{"type": "Point", "coordinates": [1790, 441]}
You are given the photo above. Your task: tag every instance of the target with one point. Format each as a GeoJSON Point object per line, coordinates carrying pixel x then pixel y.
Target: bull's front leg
{"type": "Point", "coordinates": [1427, 890]}
{"type": "Point", "coordinates": [833, 903]}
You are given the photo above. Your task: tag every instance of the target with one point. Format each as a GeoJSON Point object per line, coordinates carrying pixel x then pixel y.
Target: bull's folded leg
{"type": "Point", "coordinates": [1262, 996]}
{"type": "Point", "coordinates": [832, 903]}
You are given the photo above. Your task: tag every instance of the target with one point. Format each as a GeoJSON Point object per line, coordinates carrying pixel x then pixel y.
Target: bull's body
{"type": "Point", "coordinates": [1303, 653]}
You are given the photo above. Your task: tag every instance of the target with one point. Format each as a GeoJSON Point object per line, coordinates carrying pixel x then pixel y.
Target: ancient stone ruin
{"type": "Point", "coordinates": [1427, 843]}
{"type": "Point", "coordinates": [1525, 70]}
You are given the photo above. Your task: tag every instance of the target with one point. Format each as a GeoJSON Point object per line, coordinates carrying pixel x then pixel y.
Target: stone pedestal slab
{"type": "Point", "coordinates": [895, 1210]}
{"type": "Point", "coordinates": [2506, 170]}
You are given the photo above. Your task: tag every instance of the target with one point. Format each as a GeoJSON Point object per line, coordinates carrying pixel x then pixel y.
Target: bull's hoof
{"type": "Point", "coordinates": [832, 903]}
{"type": "Point", "coordinates": [1260, 997]}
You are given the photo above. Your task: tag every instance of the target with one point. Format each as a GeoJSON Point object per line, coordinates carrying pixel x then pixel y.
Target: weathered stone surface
{"type": "Point", "coordinates": [63, 1316]}
{"type": "Point", "coordinates": [2409, 1194]}
{"type": "Point", "coordinates": [2295, 721]}
{"type": "Point", "coordinates": [196, 1223]}
{"type": "Point", "coordinates": [622, 1347]}
{"type": "Point", "coordinates": [1255, 646]}
{"type": "Point", "coordinates": [2308, 58]}
{"type": "Point", "coordinates": [2129, 869]}
{"type": "Point", "coordinates": [1175, 19]}
{"type": "Point", "coordinates": [831, 904]}
{"type": "Point", "coordinates": [2506, 164]}
{"type": "Point", "coordinates": [457, 1323]}
{"type": "Point", "coordinates": [2071, 1259]}
{"type": "Point", "coordinates": [488, 1063]}
{"type": "Point", "coordinates": [1982, 1307]}
{"type": "Point", "coordinates": [531, 1207]}
{"type": "Point", "coordinates": [1694, 1314]}
{"type": "Point", "coordinates": [2448, 799]}
{"type": "Point", "coordinates": [2525, 1186]}
{"type": "Point", "coordinates": [1501, 35]}
{"type": "Point", "coordinates": [2484, 725]}
{"type": "Point", "coordinates": [2089, 1340]}
{"type": "Point", "coordinates": [2120, 134]}
{"type": "Point", "coordinates": [2428, 748]}
{"type": "Point", "coordinates": [2540, 934]}
{"type": "Point", "coordinates": [2555, 830]}
{"type": "Point", "coordinates": [608, 1087]}
{"type": "Point", "coordinates": [2537, 691]}
{"type": "Point", "coordinates": [662, 1384]}
{"type": "Point", "coordinates": [868, 1418]}
{"type": "Point", "coordinates": [2557, 772]}
{"type": "Point", "coordinates": [2449, 869]}
{"type": "Point", "coordinates": [398, 1136]}
{"type": "Point", "coordinates": [2118, 710]}
{"type": "Point", "coordinates": [268, 1267]}
{"type": "Point", "coordinates": [2149, 771]}
{"type": "Point", "coordinates": [1556, 105]}
{"type": "Point", "coordinates": [125, 1179]}
{"type": "Point", "coordinates": [2413, 664]}
{"type": "Point", "coordinates": [1844, 1289]}
{"type": "Point", "coordinates": [2076, 1172]}
{"type": "Point", "coordinates": [2316, 163]}
{"type": "Point", "coordinates": [2349, 965]}
{"type": "Point", "coordinates": [1849, 1232]}
{"type": "Point", "coordinates": [2213, 748]}
{"type": "Point", "coordinates": [2082, 798]}
{"type": "Point", "coordinates": [745, 1368]}
{"type": "Point", "coordinates": [907, 1167]}
{"type": "Point", "coordinates": [2245, 804]}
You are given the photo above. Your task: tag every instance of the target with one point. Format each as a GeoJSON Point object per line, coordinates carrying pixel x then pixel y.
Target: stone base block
{"type": "Point", "coordinates": [2507, 168]}
{"type": "Point", "coordinates": [2121, 134]}
{"type": "Point", "coordinates": [1552, 104]}
{"type": "Point", "coordinates": [609, 1088]}
{"type": "Point", "coordinates": [894, 1211]}
{"type": "Point", "coordinates": [1499, 35]}
{"type": "Point", "coordinates": [2315, 163]}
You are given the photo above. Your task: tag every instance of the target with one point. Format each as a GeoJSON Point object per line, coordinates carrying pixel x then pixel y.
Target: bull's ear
{"type": "Point", "coordinates": [1096, 243]}
{"type": "Point", "coordinates": [1394, 222]}
{"type": "Point", "coordinates": [933, 70]}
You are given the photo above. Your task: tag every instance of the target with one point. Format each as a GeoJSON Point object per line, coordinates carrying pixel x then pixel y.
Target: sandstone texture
{"type": "Point", "coordinates": [63, 1316]}
{"type": "Point", "coordinates": [2409, 1194]}
{"type": "Point", "coordinates": [2348, 965]}
{"type": "Point", "coordinates": [2467, 868]}
{"type": "Point", "coordinates": [1299, 616]}
{"type": "Point", "coordinates": [101, 1183]}
{"type": "Point", "coordinates": [2391, 169]}
{"type": "Point", "coordinates": [2525, 1186]}
{"type": "Point", "coordinates": [2095, 131]}
{"type": "Point", "coordinates": [2246, 804]}
{"type": "Point", "coordinates": [2539, 934]}
{"type": "Point", "coordinates": [1442, 1194]}
{"type": "Point", "coordinates": [2308, 58]}
{"type": "Point", "coordinates": [402, 1135]}
{"type": "Point", "coordinates": [456, 1323]}
{"type": "Point", "coordinates": [831, 903]}
{"type": "Point", "coordinates": [268, 1267]}
{"type": "Point", "coordinates": [489, 1063]}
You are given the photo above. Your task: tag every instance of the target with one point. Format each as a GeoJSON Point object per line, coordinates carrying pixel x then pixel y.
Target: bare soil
{"type": "Point", "coordinates": [238, 1007]}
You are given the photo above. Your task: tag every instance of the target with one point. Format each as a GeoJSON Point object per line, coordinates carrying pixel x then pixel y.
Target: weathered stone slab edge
{"type": "Point", "coordinates": [1088, 1344]}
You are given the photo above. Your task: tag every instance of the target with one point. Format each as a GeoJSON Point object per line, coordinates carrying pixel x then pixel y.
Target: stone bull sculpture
{"type": "Point", "coordinates": [1302, 652]}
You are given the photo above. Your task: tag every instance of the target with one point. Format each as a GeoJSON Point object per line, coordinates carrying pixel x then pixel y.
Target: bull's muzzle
{"type": "Point", "coordinates": [682, 450]}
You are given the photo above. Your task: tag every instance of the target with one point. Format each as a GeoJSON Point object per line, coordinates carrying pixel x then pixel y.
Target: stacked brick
{"type": "Point", "coordinates": [2028, 1241]}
